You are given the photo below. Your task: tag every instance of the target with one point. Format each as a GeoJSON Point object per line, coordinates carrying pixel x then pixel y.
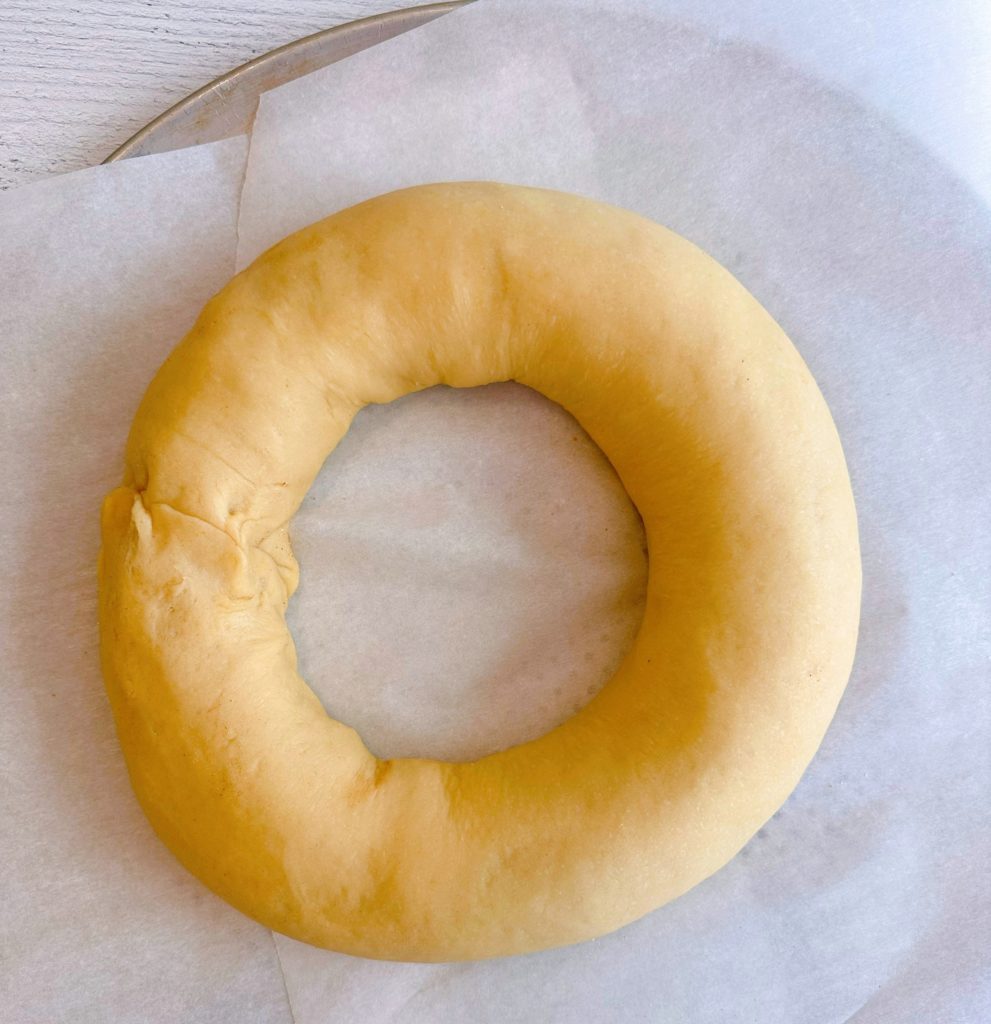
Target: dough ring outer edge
{"type": "Point", "coordinates": [725, 445]}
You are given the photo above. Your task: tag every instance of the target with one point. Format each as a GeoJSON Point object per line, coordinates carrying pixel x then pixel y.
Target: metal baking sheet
{"type": "Point", "coordinates": [226, 106]}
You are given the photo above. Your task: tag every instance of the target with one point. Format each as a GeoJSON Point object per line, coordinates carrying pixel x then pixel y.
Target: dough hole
{"type": "Point", "coordinates": [471, 573]}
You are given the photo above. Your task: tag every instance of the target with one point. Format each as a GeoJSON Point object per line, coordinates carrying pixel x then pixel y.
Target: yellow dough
{"type": "Point", "coordinates": [724, 444]}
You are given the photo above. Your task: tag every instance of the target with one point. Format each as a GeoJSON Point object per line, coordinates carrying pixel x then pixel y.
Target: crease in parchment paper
{"type": "Point", "coordinates": [282, 977]}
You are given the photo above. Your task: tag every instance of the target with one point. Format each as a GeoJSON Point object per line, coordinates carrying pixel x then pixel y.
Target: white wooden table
{"type": "Point", "coordinates": [78, 77]}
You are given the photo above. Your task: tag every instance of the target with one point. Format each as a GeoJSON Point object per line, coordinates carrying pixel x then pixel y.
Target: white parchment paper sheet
{"type": "Point", "coordinates": [101, 272]}
{"type": "Point", "coordinates": [866, 898]}
{"type": "Point", "coordinates": [924, 63]}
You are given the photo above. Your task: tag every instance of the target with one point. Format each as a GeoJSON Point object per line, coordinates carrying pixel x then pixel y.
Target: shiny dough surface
{"type": "Point", "coordinates": [724, 444]}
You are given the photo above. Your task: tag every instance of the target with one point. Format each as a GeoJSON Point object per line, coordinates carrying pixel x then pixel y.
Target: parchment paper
{"type": "Point", "coordinates": [102, 271]}
{"type": "Point", "coordinates": [923, 63]}
{"type": "Point", "coordinates": [866, 898]}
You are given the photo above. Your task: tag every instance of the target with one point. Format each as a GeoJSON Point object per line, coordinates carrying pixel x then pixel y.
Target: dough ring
{"type": "Point", "coordinates": [724, 444]}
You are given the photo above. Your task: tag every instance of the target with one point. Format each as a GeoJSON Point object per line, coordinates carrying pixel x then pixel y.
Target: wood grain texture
{"type": "Point", "coordinates": [78, 77]}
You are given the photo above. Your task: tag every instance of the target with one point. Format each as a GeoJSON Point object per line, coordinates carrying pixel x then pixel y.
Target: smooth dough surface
{"type": "Point", "coordinates": [724, 444]}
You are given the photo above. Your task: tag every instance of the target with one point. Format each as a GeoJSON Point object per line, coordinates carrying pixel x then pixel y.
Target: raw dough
{"type": "Point", "coordinates": [723, 442]}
